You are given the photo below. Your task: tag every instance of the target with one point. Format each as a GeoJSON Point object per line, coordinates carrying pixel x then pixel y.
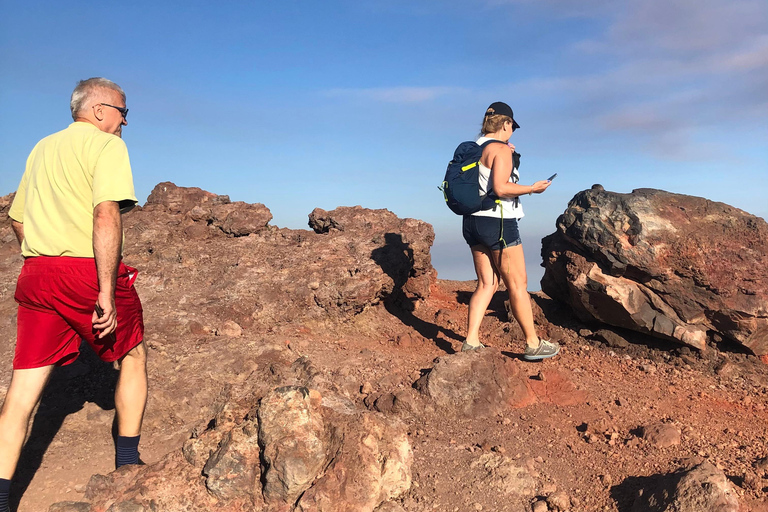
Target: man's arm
{"type": "Point", "coordinates": [107, 245]}
{"type": "Point", "coordinates": [18, 228]}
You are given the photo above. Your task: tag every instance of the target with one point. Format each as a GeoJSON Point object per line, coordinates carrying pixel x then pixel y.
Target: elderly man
{"type": "Point", "coordinates": [73, 285]}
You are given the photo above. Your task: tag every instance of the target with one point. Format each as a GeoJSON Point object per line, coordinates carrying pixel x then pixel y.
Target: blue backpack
{"type": "Point", "coordinates": [461, 185]}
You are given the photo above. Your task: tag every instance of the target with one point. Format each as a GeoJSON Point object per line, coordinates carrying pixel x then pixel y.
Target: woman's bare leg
{"type": "Point", "coordinates": [511, 266]}
{"type": "Point", "coordinates": [487, 284]}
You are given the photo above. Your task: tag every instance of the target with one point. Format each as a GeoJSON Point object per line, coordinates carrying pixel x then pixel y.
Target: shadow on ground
{"type": "Point", "coordinates": [396, 260]}
{"type": "Point", "coordinates": [88, 379]}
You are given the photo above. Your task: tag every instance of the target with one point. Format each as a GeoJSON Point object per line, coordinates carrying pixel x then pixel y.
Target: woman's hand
{"type": "Point", "coordinates": [540, 186]}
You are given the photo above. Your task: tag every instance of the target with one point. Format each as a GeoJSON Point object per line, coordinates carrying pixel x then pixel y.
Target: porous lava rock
{"type": "Point", "coordinates": [483, 383]}
{"type": "Point", "coordinates": [668, 265]}
{"type": "Point", "coordinates": [291, 450]}
{"type": "Point", "coordinates": [698, 488]}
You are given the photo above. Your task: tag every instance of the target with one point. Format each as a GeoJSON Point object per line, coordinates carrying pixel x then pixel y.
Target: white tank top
{"type": "Point", "coordinates": [511, 206]}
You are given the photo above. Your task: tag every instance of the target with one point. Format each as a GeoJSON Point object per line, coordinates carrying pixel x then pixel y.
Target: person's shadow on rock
{"type": "Point", "coordinates": [396, 260]}
{"type": "Point", "coordinates": [88, 379]}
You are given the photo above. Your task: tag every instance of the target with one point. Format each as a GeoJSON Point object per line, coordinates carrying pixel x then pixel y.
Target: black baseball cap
{"type": "Point", "coordinates": [502, 109]}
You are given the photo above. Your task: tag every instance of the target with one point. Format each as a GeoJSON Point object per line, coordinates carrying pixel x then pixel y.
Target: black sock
{"type": "Point", "coordinates": [127, 451]}
{"type": "Point", "coordinates": [5, 489]}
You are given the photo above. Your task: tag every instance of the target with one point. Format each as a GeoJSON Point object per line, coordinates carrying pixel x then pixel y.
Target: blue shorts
{"type": "Point", "coordinates": [487, 231]}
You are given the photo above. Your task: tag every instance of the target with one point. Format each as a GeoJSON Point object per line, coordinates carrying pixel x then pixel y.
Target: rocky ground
{"type": "Point", "coordinates": [614, 413]}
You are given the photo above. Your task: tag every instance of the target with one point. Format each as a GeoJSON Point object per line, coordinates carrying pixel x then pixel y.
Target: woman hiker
{"type": "Point", "coordinates": [494, 238]}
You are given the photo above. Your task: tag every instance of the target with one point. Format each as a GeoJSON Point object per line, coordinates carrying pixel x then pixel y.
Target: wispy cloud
{"type": "Point", "coordinates": [664, 70]}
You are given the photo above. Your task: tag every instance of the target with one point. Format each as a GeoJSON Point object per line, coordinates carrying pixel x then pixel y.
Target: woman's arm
{"type": "Point", "coordinates": [500, 160]}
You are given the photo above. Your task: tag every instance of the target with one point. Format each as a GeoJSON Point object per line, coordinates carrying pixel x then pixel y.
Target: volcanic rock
{"type": "Point", "coordinates": [295, 443]}
{"type": "Point", "coordinates": [291, 450]}
{"type": "Point", "coordinates": [401, 246]}
{"type": "Point", "coordinates": [661, 435]}
{"type": "Point", "coordinates": [483, 383]}
{"type": "Point", "coordinates": [190, 243]}
{"type": "Point", "coordinates": [505, 476]}
{"type": "Point", "coordinates": [610, 338]}
{"type": "Point", "coordinates": [559, 501]}
{"type": "Point", "coordinates": [476, 383]}
{"type": "Point", "coordinates": [700, 488]}
{"type": "Point", "coordinates": [669, 265]}
{"type": "Point", "coordinates": [70, 506]}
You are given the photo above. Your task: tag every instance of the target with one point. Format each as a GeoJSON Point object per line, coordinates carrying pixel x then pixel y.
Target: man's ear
{"type": "Point", "coordinates": [98, 112]}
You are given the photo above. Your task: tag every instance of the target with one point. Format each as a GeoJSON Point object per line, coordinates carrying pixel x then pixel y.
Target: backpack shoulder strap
{"type": "Point", "coordinates": [489, 142]}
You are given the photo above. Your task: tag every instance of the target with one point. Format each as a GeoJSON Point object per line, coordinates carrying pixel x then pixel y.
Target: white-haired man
{"type": "Point", "coordinates": [73, 285]}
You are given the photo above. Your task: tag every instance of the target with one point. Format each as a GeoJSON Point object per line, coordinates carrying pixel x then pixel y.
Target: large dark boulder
{"type": "Point", "coordinates": [669, 265]}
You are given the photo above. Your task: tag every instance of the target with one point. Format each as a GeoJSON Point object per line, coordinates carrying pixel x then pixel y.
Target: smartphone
{"type": "Point", "coordinates": [99, 311]}
{"type": "Point", "coordinates": [552, 177]}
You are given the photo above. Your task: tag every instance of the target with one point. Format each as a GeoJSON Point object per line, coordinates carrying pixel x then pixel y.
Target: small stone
{"type": "Point", "coordinates": [559, 502]}
{"type": "Point", "coordinates": [548, 489]}
{"type": "Point", "coordinates": [751, 482]}
{"type": "Point", "coordinates": [366, 388]}
{"type": "Point", "coordinates": [762, 466]}
{"type": "Point", "coordinates": [231, 329]}
{"type": "Point", "coordinates": [611, 339]}
{"type": "Point", "coordinates": [540, 506]}
{"type": "Point", "coordinates": [197, 328]}
{"type": "Point", "coordinates": [661, 435]}
{"type": "Point", "coordinates": [477, 506]}
{"type": "Point", "coordinates": [404, 340]}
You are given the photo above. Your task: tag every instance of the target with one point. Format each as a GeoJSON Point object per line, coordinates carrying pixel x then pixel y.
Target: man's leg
{"type": "Point", "coordinates": [130, 401]}
{"type": "Point", "coordinates": [26, 389]}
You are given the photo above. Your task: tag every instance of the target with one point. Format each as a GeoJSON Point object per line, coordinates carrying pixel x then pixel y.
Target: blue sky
{"type": "Point", "coordinates": [300, 104]}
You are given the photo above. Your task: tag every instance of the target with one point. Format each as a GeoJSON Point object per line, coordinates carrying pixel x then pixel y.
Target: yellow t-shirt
{"type": "Point", "coordinates": [67, 175]}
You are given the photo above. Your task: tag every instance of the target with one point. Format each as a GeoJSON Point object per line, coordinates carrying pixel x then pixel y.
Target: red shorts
{"type": "Point", "coordinates": [56, 297]}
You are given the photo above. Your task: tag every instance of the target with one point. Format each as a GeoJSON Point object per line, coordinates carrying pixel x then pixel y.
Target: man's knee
{"type": "Point", "coordinates": [25, 390]}
{"type": "Point", "coordinates": [137, 355]}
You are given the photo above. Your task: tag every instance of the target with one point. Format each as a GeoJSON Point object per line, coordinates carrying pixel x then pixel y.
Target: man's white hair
{"type": "Point", "coordinates": [86, 89]}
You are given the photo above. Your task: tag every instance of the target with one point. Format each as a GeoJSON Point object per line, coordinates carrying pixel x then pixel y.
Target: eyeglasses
{"type": "Point", "coordinates": [122, 110]}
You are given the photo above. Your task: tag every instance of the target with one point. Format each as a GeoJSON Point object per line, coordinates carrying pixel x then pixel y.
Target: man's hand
{"type": "Point", "coordinates": [107, 321]}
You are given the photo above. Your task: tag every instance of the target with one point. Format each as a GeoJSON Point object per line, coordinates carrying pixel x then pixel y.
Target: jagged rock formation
{"type": "Point", "coordinates": [402, 251]}
{"type": "Point", "coordinates": [669, 265]}
{"type": "Point", "coordinates": [200, 246]}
